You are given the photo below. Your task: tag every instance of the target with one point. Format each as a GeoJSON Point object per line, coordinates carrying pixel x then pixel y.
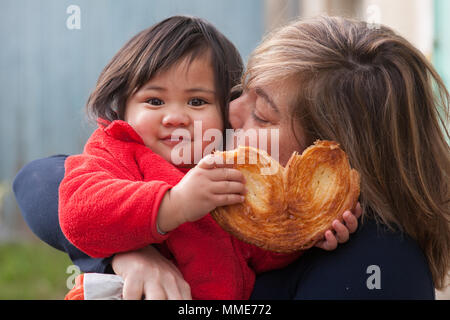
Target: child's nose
{"type": "Point", "coordinates": [175, 119]}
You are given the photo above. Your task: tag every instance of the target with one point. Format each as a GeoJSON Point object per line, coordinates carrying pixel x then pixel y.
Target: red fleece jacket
{"type": "Point", "coordinates": [108, 203]}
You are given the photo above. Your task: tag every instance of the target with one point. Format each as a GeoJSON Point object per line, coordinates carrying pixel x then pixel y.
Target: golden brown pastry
{"type": "Point", "coordinates": [291, 208]}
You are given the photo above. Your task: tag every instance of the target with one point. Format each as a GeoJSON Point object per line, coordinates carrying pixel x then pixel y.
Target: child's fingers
{"type": "Point", "coordinates": [207, 162]}
{"type": "Point", "coordinates": [224, 187]}
{"type": "Point", "coordinates": [351, 222]}
{"type": "Point", "coordinates": [228, 199]}
{"type": "Point", "coordinates": [358, 211]}
{"type": "Point", "coordinates": [342, 234]}
{"type": "Point", "coordinates": [226, 174]}
{"type": "Point", "coordinates": [329, 242]}
{"type": "Point", "coordinates": [211, 161]}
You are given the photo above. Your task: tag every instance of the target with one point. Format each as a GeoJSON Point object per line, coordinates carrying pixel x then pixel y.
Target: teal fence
{"type": "Point", "coordinates": [441, 56]}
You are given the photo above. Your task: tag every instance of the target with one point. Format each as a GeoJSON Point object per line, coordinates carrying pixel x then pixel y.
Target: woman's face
{"type": "Point", "coordinates": [267, 107]}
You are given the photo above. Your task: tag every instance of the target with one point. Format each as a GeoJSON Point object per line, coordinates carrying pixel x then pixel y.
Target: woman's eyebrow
{"type": "Point", "coordinates": [260, 92]}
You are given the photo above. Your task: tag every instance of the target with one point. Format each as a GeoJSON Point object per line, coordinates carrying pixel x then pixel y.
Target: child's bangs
{"type": "Point", "coordinates": [169, 56]}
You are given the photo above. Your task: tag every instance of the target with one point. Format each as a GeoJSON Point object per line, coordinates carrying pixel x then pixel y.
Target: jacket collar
{"type": "Point", "coordinates": [119, 130]}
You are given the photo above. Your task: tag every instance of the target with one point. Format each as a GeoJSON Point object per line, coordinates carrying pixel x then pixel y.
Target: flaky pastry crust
{"type": "Point", "coordinates": [290, 208]}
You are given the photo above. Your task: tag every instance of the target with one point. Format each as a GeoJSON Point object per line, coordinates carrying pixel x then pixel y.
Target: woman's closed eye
{"type": "Point", "coordinates": [260, 120]}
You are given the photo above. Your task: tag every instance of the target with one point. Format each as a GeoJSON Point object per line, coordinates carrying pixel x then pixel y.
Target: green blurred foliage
{"type": "Point", "coordinates": [32, 271]}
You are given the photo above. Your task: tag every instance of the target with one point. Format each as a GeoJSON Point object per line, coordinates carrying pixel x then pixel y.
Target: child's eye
{"type": "Point", "coordinates": [155, 102]}
{"type": "Point", "coordinates": [196, 102]}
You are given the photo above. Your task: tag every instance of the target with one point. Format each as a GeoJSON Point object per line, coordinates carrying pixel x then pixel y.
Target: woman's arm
{"type": "Point", "coordinates": [36, 191]}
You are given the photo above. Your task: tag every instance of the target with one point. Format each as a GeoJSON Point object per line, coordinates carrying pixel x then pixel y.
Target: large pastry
{"type": "Point", "coordinates": [289, 209]}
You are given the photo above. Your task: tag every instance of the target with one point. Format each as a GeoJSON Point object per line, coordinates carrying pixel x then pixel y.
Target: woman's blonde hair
{"type": "Point", "coordinates": [373, 92]}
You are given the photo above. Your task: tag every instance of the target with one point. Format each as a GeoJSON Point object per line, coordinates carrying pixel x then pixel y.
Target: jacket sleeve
{"type": "Point", "coordinates": [103, 209]}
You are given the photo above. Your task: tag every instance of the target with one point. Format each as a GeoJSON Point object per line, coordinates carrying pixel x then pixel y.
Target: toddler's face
{"type": "Point", "coordinates": [172, 100]}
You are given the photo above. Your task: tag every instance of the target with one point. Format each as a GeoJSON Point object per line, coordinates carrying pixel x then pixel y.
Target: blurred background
{"type": "Point", "coordinates": [52, 52]}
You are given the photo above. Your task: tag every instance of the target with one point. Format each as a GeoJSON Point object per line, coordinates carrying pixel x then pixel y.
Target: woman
{"type": "Point", "coordinates": [370, 90]}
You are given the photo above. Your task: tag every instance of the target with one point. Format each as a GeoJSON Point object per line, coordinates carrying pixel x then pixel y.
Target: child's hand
{"type": "Point", "coordinates": [204, 188]}
{"type": "Point", "coordinates": [342, 232]}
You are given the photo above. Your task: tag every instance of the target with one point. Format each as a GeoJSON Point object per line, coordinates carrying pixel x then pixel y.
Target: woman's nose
{"type": "Point", "coordinates": [175, 119]}
{"type": "Point", "coordinates": [237, 113]}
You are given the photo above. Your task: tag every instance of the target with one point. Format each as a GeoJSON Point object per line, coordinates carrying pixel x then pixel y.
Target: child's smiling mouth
{"type": "Point", "coordinates": [175, 140]}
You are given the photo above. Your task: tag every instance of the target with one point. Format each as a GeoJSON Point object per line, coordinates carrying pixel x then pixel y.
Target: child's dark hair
{"type": "Point", "coordinates": [156, 49]}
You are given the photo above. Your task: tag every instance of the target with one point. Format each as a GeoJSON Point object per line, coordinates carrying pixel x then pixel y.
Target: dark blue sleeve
{"type": "Point", "coordinates": [374, 264]}
{"type": "Point", "coordinates": [36, 191]}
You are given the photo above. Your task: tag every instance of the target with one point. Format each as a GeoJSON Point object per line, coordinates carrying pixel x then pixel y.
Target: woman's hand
{"type": "Point", "coordinates": [146, 273]}
{"type": "Point", "coordinates": [341, 232]}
